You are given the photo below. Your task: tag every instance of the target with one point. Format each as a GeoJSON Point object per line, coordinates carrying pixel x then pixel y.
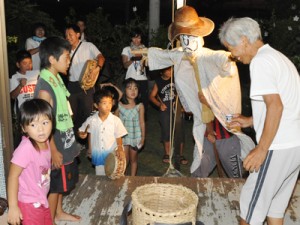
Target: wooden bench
{"type": "Point", "coordinates": [99, 200]}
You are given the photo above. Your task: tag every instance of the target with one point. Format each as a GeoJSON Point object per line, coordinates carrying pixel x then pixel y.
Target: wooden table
{"type": "Point", "coordinates": [99, 200]}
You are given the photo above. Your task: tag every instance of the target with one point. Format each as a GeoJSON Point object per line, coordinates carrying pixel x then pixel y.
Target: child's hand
{"type": "Point", "coordinates": [14, 216]}
{"type": "Point", "coordinates": [163, 107]}
{"type": "Point", "coordinates": [141, 144]}
{"type": "Point", "coordinates": [120, 151]}
{"type": "Point", "coordinates": [23, 81]}
{"type": "Point", "coordinates": [106, 84]}
{"type": "Point", "coordinates": [83, 134]}
{"type": "Point", "coordinates": [89, 153]}
{"type": "Point", "coordinates": [57, 159]}
{"type": "Point", "coordinates": [211, 137]}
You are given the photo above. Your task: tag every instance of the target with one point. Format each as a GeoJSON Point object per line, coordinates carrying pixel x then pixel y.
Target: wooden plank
{"type": "Point", "coordinates": [99, 200]}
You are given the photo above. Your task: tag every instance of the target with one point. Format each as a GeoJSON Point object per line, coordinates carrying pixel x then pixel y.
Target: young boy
{"type": "Point", "coordinates": [105, 130]}
{"type": "Point", "coordinates": [162, 95]}
{"type": "Point", "coordinates": [22, 84]}
{"type": "Point", "coordinates": [55, 59]}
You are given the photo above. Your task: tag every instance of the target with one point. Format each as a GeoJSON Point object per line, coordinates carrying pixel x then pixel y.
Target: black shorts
{"type": "Point", "coordinates": [164, 120]}
{"type": "Point", "coordinates": [64, 179]}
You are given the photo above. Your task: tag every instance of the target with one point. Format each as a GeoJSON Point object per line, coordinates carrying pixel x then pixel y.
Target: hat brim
{"type": "Point", "coordinates": [199, 29]}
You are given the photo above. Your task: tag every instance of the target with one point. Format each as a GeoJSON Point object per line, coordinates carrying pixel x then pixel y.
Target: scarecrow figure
{"type": "Point", "coordinates": [207, 81]}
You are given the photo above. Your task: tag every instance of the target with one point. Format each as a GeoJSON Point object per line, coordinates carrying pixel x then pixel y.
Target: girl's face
{"type": "Point", "coordinates": [105, 105]}
{"type": "Point", "coordinates": [137, 40]}
{"type": "Point", "coordinates": [131, 91]}
{"type": "Point", "coordinates": [62, 65]}
{"type": "Point", "coordinates": [39, 130]}
{"type": "Point", "coordinates": [40, 32]}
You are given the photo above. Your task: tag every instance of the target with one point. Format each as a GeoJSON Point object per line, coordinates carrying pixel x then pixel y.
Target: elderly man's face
{"type": "Point", "coordinates": [241, 52]}
{"type": "Point", "coordinates": [190, 43]}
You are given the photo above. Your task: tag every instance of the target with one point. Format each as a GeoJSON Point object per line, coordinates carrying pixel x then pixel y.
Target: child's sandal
{"type": "Point", "coordinates": [166, 159]}
{"type": "Point", "coordinates": [183, 160]}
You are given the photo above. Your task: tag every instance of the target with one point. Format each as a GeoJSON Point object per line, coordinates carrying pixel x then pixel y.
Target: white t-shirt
{"type": "Point", "coordinates": [86, 51]}
{"type": "Point", "coordinates": [273, 73]}
{"type": "Point", "coordinates": [31, 44]}
{"type": "Point", "coordinates": [104, 133]}
{"type": "Point", "coordinates": [28, 90]}
{"type": "Point", "coordinates": [135, 70]}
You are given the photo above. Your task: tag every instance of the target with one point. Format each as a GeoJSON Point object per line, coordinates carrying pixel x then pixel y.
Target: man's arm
{"type": "Point", "coordinates": [126, 61]}
{"type": "Point", "coordinates": [100, 60]}
{"type": "Point", "coordinates": [273, 116]}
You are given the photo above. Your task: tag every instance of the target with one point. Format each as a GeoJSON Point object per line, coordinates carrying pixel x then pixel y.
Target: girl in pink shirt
{"type": "Point", "coordinates": [29, 174]}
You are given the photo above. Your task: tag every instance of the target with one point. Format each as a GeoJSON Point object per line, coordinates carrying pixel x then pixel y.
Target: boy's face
{"type": "Point", "coordinates": [24, 65]}
{"type": "Point", "coordinates": [167, 73]}
{"type": "Point", "coordinates": [105, 105]}
{"type": "Point", "coordinates": [62, 65]}
{"type": "Point", "coordinates": [72, 37]}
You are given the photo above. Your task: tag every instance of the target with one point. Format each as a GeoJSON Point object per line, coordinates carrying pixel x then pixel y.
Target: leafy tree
{"type": "Point", "coordinates": [20, 16]}
{"type": "Point", "coordinates": [282, 29]}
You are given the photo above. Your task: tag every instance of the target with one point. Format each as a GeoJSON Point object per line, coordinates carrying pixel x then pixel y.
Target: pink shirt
{"type": "Point", "coordinates": [34, 181]}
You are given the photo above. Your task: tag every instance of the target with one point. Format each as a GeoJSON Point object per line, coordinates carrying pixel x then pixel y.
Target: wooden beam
{"type": "Point", "coordinates": [5, 108]}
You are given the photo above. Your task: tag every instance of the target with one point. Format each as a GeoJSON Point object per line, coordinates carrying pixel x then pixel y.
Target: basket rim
{"type": "Point", "coordinates": [192, 206]}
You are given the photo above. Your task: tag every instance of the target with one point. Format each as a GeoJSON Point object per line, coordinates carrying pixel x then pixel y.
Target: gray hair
{"type": "Point", "coordinates": [235, 28]}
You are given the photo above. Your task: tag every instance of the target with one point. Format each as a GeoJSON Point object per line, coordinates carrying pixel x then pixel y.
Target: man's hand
{"type": "Point", "coordinates": [255, 159]}
{"type": "Point", "coordinates": [136, 58]}
{"type": "Point", "coordinates": [240, 121]}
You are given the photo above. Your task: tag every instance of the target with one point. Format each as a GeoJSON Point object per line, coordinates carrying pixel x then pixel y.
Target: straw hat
{"type": "Point", "coordinates": [187, 22]}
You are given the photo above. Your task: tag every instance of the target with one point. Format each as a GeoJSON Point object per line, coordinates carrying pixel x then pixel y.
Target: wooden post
{"type": "Point", "coordinates": [5, 108]}
{"type": "Point", "coordinates": [154, 17]}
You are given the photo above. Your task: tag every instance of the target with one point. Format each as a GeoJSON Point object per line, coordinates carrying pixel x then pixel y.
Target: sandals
{"type": "Point", "coordinates": [166, 159]}
{"type": "Point", "coordinates": [183, 160]}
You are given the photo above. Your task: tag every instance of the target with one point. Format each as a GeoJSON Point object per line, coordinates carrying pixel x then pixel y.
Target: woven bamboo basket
{"type": "Point", "coordinates": [163, 203]}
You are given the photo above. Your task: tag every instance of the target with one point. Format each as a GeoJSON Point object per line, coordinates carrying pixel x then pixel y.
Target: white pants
{"type": "Point", "coordinates": [268, 191]}
{"type": "Point", "coordinates": [100, 170]}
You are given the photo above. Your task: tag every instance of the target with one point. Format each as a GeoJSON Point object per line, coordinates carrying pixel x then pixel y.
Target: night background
{"type": "Point", "coordinates": [109, 23]}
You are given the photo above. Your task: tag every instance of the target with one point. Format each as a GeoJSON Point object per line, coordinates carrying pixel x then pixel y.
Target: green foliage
{"type": "Point", "coordinates": [20, 17]}
{"type": "Point", "coordinates": [282, 29]}
{"type": "Point", "coordinates": [71, 17]}
{"type": "Point", "coordinates": [111, 40]}
{"type": "Point", "coordinates": [159, 38]}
